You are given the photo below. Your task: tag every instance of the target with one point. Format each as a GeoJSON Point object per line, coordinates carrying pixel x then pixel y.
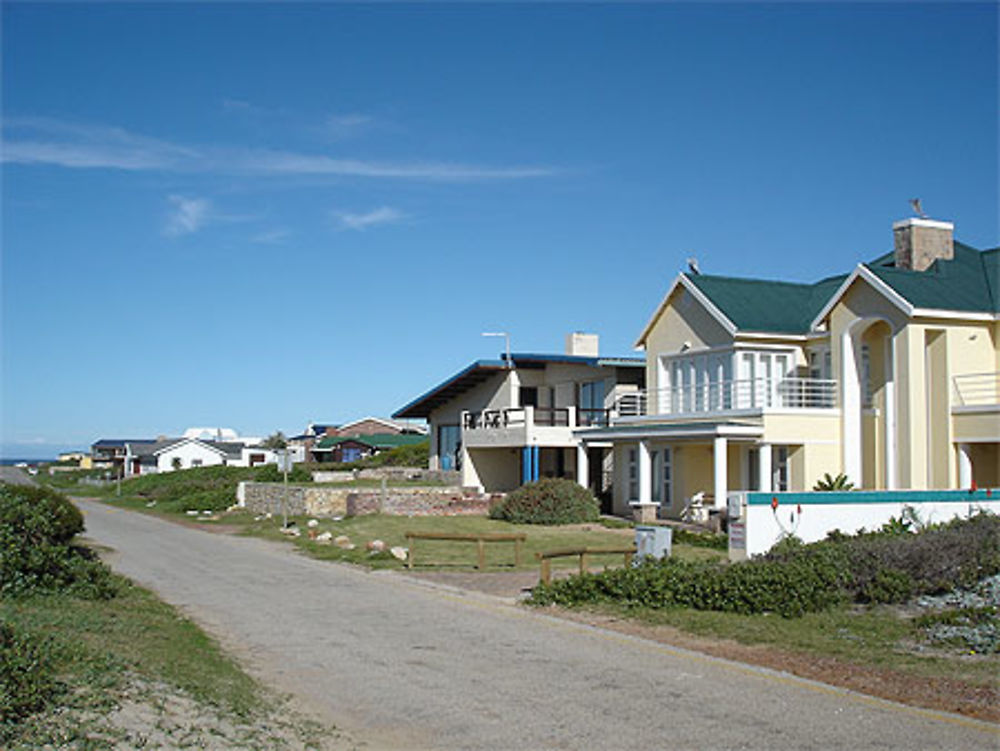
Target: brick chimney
{"type": "Point", "coordinates": [581, 345]}
{"type": "Point", "coordinates": [920, 242]}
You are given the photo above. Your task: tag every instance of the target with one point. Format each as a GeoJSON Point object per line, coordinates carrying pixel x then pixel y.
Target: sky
{"type": "Point", "coordinates": [261, 215]}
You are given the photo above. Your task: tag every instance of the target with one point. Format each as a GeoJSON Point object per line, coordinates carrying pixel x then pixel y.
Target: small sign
{"type": "Point", "coordinates": [737, 540]}
{"type": "Point", "coordinates": [284, 461]}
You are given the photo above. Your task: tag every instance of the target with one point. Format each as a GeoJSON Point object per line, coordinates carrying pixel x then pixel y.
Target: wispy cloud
{"type": "Point", "coordinates": [97, 147]}
{"type": "Point", "coordinates": [271, 237]}
{"type": "Point", "coordinates": [187, 215]}
{"type": "Point", "coordinates": [349, 125]}
{"type": "Point", "coordinates": [374, 218]}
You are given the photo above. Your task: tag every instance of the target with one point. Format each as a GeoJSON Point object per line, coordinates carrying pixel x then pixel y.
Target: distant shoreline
{"type": "Point", "coordinates": [5, 462]}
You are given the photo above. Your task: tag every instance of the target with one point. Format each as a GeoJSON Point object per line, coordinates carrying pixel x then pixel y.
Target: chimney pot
{"type": "Point", "coordinates": [579, 344]}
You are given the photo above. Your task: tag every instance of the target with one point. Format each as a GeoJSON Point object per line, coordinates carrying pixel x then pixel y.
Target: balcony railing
{"type": "Point", "coordinates": [724, 396]}
{"type": "Point", "coordinates": [977, 389]}
{"type": "Point", "coordinates": [491, 419]}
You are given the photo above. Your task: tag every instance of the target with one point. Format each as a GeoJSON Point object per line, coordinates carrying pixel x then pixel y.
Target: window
{"type": "Point", "coordinates": [196, 462]}
{"type": "Point", "coordinates": [666, 478]}
{"type": "Point", "coordinates": [350, 454]}
{"type": "Point", "coordinates": [449, 443]}
{"type": "Point", "coordinates": [528, 396]}
{"type": "Point", "coordinates": [591, 403]}
{"type": "Point", "coordinates": [633, 475]}
{"type": "Point", "coordinates": [780, 469]}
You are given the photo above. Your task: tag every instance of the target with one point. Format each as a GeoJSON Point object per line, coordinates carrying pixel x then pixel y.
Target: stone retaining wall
{"type": "Point", "coordinates": [266, 497]}
{"type": "Point", "coordinates": [436, 476]}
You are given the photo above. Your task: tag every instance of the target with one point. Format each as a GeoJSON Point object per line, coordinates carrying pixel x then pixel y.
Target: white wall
{"type": "Point", "coordinates": [188, 452]}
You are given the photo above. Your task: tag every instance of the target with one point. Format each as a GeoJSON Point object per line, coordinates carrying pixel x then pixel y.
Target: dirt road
{"type": "Point", "coordinates": [402, 664]}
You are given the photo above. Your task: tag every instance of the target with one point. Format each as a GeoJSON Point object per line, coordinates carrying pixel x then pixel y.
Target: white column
{"type": "Point", "coordinates": [964, 466]}
{"type": "Point", "coordinates": [850, 410]}
{"type": "Point", "coordinates": [764, 468]}
{"type": "Point", "coordinates": [721, 471]}
{"type": "Point", "coordinates": [582, 465]}
{"type": "Point", "coordinates": [891, 482]}
{"type": "Point", "coordinates": [645, 473]}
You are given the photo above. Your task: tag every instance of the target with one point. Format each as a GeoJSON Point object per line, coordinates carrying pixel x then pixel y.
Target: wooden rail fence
{"type": "Point", "coordinates": [546, 558]}
{"type": "Point", "coordinates": [480, 540]}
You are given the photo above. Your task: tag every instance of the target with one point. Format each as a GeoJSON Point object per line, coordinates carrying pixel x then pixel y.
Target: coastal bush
{"type": "Point", "coordinates": [271, 473]}
{"type": "Point", "coordinates": [26, 677]}
{"type": "Point", "coordinates": [548, 501]}
{"type": "Point", "coordinates": [36, 528]}
{"type": "Point", "coordinates": [796, 578]}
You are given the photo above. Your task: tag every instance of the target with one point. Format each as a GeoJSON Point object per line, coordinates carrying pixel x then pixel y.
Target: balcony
{"type": "Point", "coordinates": [524, 426]}
{"type": "Point", "coordinates": [749, 395]}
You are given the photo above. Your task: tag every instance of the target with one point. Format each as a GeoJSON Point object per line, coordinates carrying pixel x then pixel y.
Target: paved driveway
{"type": "Point", "coordinates": [401, 664]}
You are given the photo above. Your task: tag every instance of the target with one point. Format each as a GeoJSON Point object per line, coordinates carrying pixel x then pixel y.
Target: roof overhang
{"type": "Point", "coordinates": [863, 272]}
{"type": "Point", "coordinates": [698, 295]}
{"type": "Point", "coordinates": [676, 431]}
{"type": "Point", "coordinates": [466, 379]}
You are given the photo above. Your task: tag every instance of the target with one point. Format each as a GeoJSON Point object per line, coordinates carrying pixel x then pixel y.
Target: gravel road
{"type": "Point", "coordinates": [402, 664]}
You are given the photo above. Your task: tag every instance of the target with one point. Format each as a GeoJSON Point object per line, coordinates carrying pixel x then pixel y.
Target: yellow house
{"type": "Point", "coordinates": [889, 375]}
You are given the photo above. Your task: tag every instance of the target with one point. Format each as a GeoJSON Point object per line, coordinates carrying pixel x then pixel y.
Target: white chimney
{"type": "Point", "coordinates": [579, 344]}
{"type": "Point", "coordinates": [920, 242]}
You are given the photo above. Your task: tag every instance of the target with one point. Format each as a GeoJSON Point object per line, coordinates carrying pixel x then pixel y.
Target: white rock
{"type": "Point", "coordinates": [376, 546]}
{"type": "Point", "coordinates": [338, 518]}
{"type": "Point", "coordinates": [399, 553]}
{"type": "Point", "coordinates": [324, 537]}
{"type": "Point", "coordinates": [343, 541]}
{"type": "Point", "coordinates": [313, 523]}
{"type": "Point", "coordinates": [192, 513]}
{"type": "Point", "coordinates": [206, 513]}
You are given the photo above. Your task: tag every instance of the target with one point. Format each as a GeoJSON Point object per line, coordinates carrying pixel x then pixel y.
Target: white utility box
{"type": "Point", "coordinates": [653, 541]}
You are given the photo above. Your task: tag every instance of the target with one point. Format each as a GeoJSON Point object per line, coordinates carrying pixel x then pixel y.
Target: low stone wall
{"type": "Point", "coordinates": [418, 502]}
{"type": "Point", "coordinates": [266, 497]}
{"type": "Point", "coordinates": [452, 479]}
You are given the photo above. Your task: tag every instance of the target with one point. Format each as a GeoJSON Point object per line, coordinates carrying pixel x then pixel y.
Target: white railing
{"type": "Point", "coordinates": [977, 389]}
{"type": "Point", "coordinates": [724, 396]}
{"type": "Point", "coordinates": [495, 419]}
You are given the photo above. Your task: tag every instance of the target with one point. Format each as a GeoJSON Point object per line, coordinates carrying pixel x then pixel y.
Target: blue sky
{"type": "Point", "coordinates": [260, 215]}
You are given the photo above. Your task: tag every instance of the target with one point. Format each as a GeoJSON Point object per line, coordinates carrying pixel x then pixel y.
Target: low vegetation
{"type": "Point", "coordinates": [547, 501]}
{"type": "Point", "coordinates": [888, 566]}
{"type": "Point", "coordinates": [89, 661]}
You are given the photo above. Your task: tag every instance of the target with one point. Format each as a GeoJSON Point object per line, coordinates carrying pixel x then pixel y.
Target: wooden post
{"type": "Point", "coordinates": [583, 562]}
{"type": "Point", "coordinates": [546, 570]}
{"type": "Point", "coordinates": [409, 558]}
{"type": "Point", "coordinates": [517, 552]}
{"type": "Point", "coordinates": [482, 554]}
{"type": "Point", "coordinates": [628, 559]}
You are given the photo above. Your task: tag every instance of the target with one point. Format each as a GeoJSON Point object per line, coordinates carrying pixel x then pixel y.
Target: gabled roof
{"type": "Point", "coordinates": [400, 426]}
{"type": "Point", "coordinates": [967, 283]}
{"type": "Point", "coordinates": [376, 440]}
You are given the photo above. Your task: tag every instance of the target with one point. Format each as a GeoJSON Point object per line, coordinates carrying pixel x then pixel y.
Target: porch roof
{"type": "Point", "coordinates": [680, 430]}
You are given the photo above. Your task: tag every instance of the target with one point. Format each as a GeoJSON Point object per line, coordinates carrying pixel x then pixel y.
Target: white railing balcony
{"type": "Point", "coordinates": [977, 389]}
{"type": "Point", "coordinates": [497, 419]}
{"type": "Point", "coordinates": [728, 396]}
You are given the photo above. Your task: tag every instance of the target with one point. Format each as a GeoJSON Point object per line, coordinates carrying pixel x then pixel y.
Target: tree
{"type": "Point", "coordinates": [840, 482]}
{"type": "Point", "coordinates": [276, 440]}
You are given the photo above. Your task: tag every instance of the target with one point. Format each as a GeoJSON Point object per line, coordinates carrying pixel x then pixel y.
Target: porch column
{"type": "Point", "coordinates": [721, 471]}
{"type": "Point", "coordinates": [764, 468]}
{"type": "Point", "coordinates": [890, 413]}
{"type": "Point", "coordinates": [535, 468]}
{"type": "Point", "coordinates": [850, 409]}
{"type": "Point", "coordinates": [582, 465]}
{"type": "Point", "coordinates": [964, 466]}
{"type": "Point", "coordinates": [645, 473]}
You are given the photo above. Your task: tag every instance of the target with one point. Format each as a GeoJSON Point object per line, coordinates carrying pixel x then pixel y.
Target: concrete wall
{"type": "Point", "coordinates": [849, 512]}
{"type": "Point", "coordinates": [389, 473]}
{"type": "Point", "coordinates": [188, 453]}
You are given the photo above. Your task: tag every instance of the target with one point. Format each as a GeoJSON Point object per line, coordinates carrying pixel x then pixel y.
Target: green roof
{"type": "Point", "coordinates": [763, 305]}
{"type": "Point", "coordinates": [970, 282]}
{"type": "Point", "coordinates": [375, 440]}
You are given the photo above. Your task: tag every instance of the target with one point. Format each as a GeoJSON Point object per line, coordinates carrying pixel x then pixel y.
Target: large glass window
{"type": "Point", "coordinates": [633, 475]}
{"type": "Point", "coordinates": [449, 442]}
{"type": "Point", "coordinates": [780, 469]}
{"type": "Point", "coordinates": [591, 403]}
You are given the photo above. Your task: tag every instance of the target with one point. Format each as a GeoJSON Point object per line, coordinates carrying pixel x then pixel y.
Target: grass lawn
{"type": "Point", "coordinates": [136, 649]}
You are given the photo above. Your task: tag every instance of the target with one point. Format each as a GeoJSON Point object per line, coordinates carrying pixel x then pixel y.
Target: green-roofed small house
{"type": "Point", "coordinates": [352, 448]}
{"type": "Point", "coordinates": [888, 374]}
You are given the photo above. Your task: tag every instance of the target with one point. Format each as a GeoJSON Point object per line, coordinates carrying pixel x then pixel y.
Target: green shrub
{"type": "Point", "coordinates": [548, 501]}
{"type": "Point", "coordinates": [838, 483]}
{"type": "Point", "coordinates": [795, 578]}
{"type": "Point", "coordinates": [700, 539]}
{"type": "Point", "coordinates": [271, 473]}
{"type": "Point", "coordinates": [26, 677]}
{"type": "Point", "coordinates": [36, 526]}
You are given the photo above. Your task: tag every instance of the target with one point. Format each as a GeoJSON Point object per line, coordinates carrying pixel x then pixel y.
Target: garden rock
{"type": "Point", "coordinates": [399, 553]}
{"type": "Point", "coordinates": [343, 541]}
{"type": "Point", "coordinates": [375, 546]}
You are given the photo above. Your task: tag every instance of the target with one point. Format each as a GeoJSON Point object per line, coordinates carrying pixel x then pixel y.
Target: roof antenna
{"type": "Point", "coordinates": [915, 203]}
{"type": "Point", "coordinates": [693, 265]}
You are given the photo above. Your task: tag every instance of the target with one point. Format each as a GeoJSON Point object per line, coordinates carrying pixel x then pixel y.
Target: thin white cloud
{"type": "Point", "coordinates": [96, 147]}
{"type": "Point", "coordinates": [374, 218]}
{"type": "Point", "coordinates": [348, 125]}
{"type": "Point", "coordinates": [271, 237]}
{"type": "Point", "coordinates": [188, 215]}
